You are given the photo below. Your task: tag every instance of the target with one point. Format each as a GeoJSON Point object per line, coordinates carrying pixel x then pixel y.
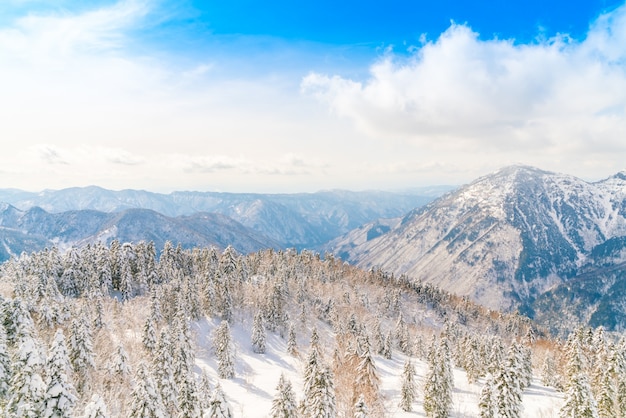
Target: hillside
{"type": "Point", "coordinates": [150, 330]}
{"type": "Point", "coordinates": [502, 240]}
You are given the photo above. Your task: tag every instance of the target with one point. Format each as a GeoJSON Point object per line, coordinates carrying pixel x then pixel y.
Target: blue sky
{"type": "Point", "coordinates": [302, 96]}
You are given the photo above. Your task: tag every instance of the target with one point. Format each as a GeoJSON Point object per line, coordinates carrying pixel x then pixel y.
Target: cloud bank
{"type": "Point", "coordinates": [459, 92]}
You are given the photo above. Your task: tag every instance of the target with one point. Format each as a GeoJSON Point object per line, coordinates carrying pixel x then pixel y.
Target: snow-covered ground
{"type": "Point", "coordinates": [251, 392]}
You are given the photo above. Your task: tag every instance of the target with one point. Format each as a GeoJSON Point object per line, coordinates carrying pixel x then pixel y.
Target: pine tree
{"type": "Point", "coordinates": [360, 408]}
{"type": "Point", "coordinates": [5, 364]}
{"type": "Point", "coordinates": [120, 366]}
{"type": "Point", "coordinates": [258, 334]}
{"type": "Point", "coordinates": [59, 398]}
{"type": "Point", "coordinates": [164, 373]}
{"type": "Point", "coordinates": [284, 402]}
{"type": "Point", "coordinates": [321, 404]}
{"type": "Point", "coordinates": [27, 387]}
{"type": "Point", "coordinates": [189, 402]}
{"type": "Point", "coordinates": [81, 350]}
{"type": "Point", "coordinates": [409, 387]}
{"type": "Point", "coordinates": [367, 381]}
{"type": "Point", "coordinates": [488, 402]}
{"type": "Point", "coordinates": [220, 408]}
{"type": "Point", "coordinates": [96, 408]}
{"type": "Point", "coordinates": [387, 349]}
{"type": "Point", "coordinates": [224, 351]}
{"type": "Point", "coordinates": [149, 335]}
{"type": "Point", "coordinates": [292, 345]}
{"type": "Point", "coordinates": [607, 407]}
{"type": "Point", "coordinates": [579, 401]}
{"type": "Point", "coordinates": [204, 392]}
{"type": "Point", "coordinates": [509, 395]}
{"type": "Point", "coordinates": [145, 399]}
{"type": "Point", "coordinates": [319, 390]}
{"type": "Point", "coordinates": [438, 388]}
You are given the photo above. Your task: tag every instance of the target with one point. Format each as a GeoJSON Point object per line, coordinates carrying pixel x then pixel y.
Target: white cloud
{"type": "Point", "coordinates": [556, 96]}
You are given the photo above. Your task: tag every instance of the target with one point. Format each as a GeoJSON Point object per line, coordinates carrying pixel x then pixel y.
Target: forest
{"type": "Point", "coordinates": [127, 330]}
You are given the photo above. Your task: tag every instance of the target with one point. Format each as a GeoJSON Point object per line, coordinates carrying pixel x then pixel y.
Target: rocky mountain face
{"type": "Point", "coordinates": [504, 239]}
{"type": "Point", "coordinates": [293, 220]}
{"type": "Point", "coordinates": [35, 229]}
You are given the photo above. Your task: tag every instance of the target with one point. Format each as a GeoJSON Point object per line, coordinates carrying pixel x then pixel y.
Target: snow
{"type": "Point", "coordinates": [251, 391]}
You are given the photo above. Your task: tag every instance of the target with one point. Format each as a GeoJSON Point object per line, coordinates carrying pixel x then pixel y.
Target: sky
{"type": "Point", "coordinates": [283, 96]}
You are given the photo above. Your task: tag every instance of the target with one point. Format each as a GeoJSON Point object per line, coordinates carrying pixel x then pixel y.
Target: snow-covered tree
{"type": "Point", "coordinates": [96, 408]}
{"type": "Point", "coordinates": [59, 398]}
{"type": "Point", "coordinates": [149, 335]}
{"type": "Point", "coordinates": [145, 399]}
{"type": "Point", "coordinates": [409, 387]}
{"type": "Point", "coordinates": [579, 401]}
{"type": "Point", "coordinates": [82, 356]}
{"type": "Point", "coordinates": [220, 408]}
{"type": "Point", "coordinates": [284, 402]}
{"type": "Point", "coordinates": [488, 402]}
{"type": "Point", "coordinates": [27, 387]}
{"type": "Point", "coordinates": [5, 364]}
{"type": "Point", "coordinates": [360, 408]}
{"type": "Point", "coordinates": [258, 334]}
{"type": "Point", "coordinates": [223, 347]}
{"type": "Point", "coordinates": [292, 345]}
{"type": "Point", "coordinates": [509, 393]}
{"type": "Point", "coordinates": [319, 390]}
{"type": "Point", "coordinates": [188, 400]}
{"type": "Point", "coordinates": [164, 373]}
{"type": "Point", "coordinates": [438, 386]}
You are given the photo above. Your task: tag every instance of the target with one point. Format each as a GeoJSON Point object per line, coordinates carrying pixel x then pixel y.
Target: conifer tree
{"type": "Point", "coordinates": [488, 402]}
{"type": "Point", "coordinates": [204, 392]}
{"type": "Point", "coordinates": [59, 398]}
{"type": "Point", "coordinates": [145, 399]}
{"type": "Point", "coordinates": [189, 402]}
{"type": "Point", "coordinates": [509, 394]}
{"type": "Point", "coordinates": [284, 402]}
{"type": "Point", "coordinates": [360, 408]}
{"type": "Point", "coordinates": [292, 345]}
{"type": "Point", "coordinates": [120, 367]}
{"type": "Point", "coordinates": [222, 344]}
{"type": "Point", "coordinates": [409, 387]}
{"type": "Point", "coordinates": [258, 334]}
{"type": "Point", "coordinates": [367, 381]}
{"type": "Point", "coordinates": [220, 408]}
{"type": "Point", "coordinates": [5, 364]}
{"type": "Point", "coordinates": [607, 407]}
{"type": "Point", "coordinates": [319, 390]}
{"type": "Point", "coordinates": [149, 335]}
{"type": "Point", "coordinates": [438, 388]}
{"type": "Point", "coordinates": [164, 373]}
{"type": "Point", "coordinates": [81, 349]}
{"type": "Point", "coordinates": [27, 387]}
{"type": "Point", "coordinates": [96, 408]}
{"type": "Point", "coordinates": [579, 401]}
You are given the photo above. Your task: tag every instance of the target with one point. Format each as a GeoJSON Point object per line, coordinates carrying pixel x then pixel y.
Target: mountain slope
{"type": "Point", "coordinates": [34, 229]}
{"type": "Point", "coordinates": [503, 239]}
{"type": "Point", "coordinates": [294, 220]}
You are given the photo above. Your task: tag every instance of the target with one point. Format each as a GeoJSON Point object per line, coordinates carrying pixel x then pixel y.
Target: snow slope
{"type": "Point", "coordinates": [251, 392]}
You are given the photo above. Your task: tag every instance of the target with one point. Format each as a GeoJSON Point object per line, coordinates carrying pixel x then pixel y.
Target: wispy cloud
{"type": "Point", "coordinates": [50, 154]}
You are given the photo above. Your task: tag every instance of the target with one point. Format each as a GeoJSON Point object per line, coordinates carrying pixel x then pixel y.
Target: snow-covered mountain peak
{"type": "Point", "coordinates": [503, 238]}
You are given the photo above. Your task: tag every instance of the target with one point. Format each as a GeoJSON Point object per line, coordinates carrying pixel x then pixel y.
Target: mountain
{"type": "Point", "coordinates": [294, 220]}
{"type": "Point", "coordinates": [35, 229]}
{"type": "Point", "coordinates": [504, 239]}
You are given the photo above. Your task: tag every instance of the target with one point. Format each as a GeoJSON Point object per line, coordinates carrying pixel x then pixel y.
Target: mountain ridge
{"type": "Point", "coordinates": [503, 239]}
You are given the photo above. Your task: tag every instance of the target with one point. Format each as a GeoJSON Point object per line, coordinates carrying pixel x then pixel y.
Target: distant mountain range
{"type": "Point", "coordinates": [31, 221]}
{"type": "Point", "coordinates": [504, 240]}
